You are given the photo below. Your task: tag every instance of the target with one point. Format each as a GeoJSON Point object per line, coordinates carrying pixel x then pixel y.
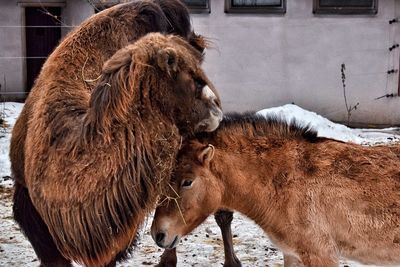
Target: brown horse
{"type": "Point", "coordinates": [316, 198]}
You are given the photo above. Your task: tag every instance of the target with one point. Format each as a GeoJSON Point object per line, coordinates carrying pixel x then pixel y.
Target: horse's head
{"type": "Point", "coordinates": [194, 194]}
{"type": "Point", "coordinates": [158, 74]}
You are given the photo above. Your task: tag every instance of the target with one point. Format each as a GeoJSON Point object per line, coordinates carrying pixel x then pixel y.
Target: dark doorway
{"type": "Point", "coordinates": [42, 34]}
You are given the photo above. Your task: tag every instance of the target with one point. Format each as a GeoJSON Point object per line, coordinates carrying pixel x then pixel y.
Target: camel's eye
{"type": "Point", "coordinates": [199, 84]}
{"type": "Point", "coordinates": [186, 183]}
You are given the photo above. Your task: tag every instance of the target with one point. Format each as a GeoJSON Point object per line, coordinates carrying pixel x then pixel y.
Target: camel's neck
{"type": "Point", "coordinates": [252, 175]}
{"type": "Point", "coordinates": [146, 138]}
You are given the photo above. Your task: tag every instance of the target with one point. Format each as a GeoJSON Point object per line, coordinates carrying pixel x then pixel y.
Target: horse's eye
{"type": "Point", "coordinates": [186, 183]}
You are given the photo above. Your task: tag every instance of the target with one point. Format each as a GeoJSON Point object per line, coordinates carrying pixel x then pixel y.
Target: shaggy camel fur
{"type": "Point", "coordinates": [98, 161]}
{"type": "Point", "coordinates": [73, 71]}
{"type": "Point", "coordinates": [317, 199]}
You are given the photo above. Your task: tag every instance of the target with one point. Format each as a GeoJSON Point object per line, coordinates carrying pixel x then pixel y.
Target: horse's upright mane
{"type": "Point", "coordinates": [250, 123]}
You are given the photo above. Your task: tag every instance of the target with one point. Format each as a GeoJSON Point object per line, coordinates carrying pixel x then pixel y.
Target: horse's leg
{"type": "Point", "coordinates": [224, 219]}
{"type": "Point", "coordinates": [35, 229]}
{"type": "Point", "coordinates": [168, 258]}
{"type": "Point", "coordinates": [291, 261]}
{"type": "Point", "coordinates": [319, 258]}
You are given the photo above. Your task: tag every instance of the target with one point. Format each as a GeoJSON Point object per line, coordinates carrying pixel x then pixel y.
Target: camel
{"type": "Point", "coordinates": [96, 161]}
{"type": "Point", "coordinates": [82, 55]}
{"type": "Point", "coordinates": [317, 199]}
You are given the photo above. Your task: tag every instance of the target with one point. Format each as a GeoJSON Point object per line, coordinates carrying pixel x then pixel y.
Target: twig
{"type": "Point", "coordinates": [349, 109]}
{"type": "Point", "coordinates": [177, 204]}
{"type": "Point", "coordinates": [83, 75]}
{"type": "Point", "coordinates": [3, 106]}
{"type": "Point", "coordinates": [46, 12]}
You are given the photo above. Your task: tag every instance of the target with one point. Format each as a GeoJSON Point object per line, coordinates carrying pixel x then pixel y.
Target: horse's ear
{"type": "Point", "coordinates": [206, 154]}
{"type": "Point", "coordinates": [167, 60]}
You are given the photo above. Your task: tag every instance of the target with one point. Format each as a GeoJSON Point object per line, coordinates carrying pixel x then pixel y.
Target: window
{"type": "Point", "coordinates": [255, 6]}
{"type": "Point", "coordinates": [198, 6]}
{"type": "Point", "coordinates": [345, 7]}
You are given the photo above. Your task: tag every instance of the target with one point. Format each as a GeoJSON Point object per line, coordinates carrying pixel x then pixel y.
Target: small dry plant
{"type": "Point", "coordinates": [350, 108]}
{"type": "Point", "coordinates": [3, 124]}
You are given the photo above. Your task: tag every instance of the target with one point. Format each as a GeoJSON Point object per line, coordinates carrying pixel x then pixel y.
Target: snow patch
{"type": "Point", "coordinates": [329, 129]}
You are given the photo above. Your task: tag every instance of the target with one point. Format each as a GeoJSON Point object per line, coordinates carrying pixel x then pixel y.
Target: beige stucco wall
{"type": "Point", "coordinates": [262, 61]}
{"type": "Point", "coordinates": [11, 49]}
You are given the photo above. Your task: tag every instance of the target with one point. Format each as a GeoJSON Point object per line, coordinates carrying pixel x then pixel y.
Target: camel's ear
{"type": "Point", "coordinates": [167, 60]}
{"type": "Point", "coordinates": [198, 42]}
{"type": "Point", "coordinates": [110, 99]}
{"type": "Point", "coordinates": [206, 155]}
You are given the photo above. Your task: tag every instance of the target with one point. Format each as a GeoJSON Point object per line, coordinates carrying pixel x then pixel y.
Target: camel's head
{"type": "Point", "coordinates": [158, 74]}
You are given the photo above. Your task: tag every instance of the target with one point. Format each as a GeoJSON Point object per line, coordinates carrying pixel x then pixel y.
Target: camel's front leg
{"type": "Point", "coordinates": [224, 220]}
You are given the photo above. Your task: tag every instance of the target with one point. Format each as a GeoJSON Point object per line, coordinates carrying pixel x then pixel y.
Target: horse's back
{"type": "Point", "coordinates": [359, 195]}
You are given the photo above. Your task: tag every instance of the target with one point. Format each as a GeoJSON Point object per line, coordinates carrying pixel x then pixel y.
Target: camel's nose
{"type": "Point", "coordinates": [160, 236]}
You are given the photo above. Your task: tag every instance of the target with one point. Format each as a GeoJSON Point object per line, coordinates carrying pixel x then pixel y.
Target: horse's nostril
{"type": "Point", "coordinates": [160, 237]}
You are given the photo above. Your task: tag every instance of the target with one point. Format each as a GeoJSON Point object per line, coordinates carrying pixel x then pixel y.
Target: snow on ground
{"type": "Point", "coordinates": [329, 129]}
{"type": "Point", "coordinates": [10, 111]}
{"type": "Point", "coordinates": [204, 246]}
